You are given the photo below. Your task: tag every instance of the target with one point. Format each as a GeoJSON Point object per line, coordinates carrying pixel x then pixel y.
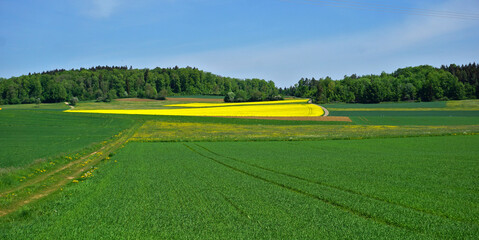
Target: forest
{"type": "Point", "coordinates": [104, 83]}
{"type": "Point", "coordinates": [422, 83]}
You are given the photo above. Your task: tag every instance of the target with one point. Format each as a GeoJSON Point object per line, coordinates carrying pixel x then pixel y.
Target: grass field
{"type": "Point", "coordinates": [397, 171]}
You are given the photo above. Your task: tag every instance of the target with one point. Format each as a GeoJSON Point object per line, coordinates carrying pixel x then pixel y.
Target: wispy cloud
{"type": "Point", "coordinates": [365, 52]}
{"type": "Point", "coordinates": [101, 8]}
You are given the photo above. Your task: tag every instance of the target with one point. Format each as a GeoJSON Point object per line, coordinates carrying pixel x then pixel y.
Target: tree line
{"type": "Point", "coordinates": [422, 83]}
{"type": "Point", "coordinates": [104, 83]}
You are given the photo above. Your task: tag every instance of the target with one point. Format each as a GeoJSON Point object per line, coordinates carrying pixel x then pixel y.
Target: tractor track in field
{"type": "Point", "coordinates": [307, 194]}
{"type": "Point", "coordinates": [64, 178]}
{"type": "Point", "coordinates": [231, 203]}
{"type": "Point", "coordinates": [46, 175]}
{"type": "Point", "coordinates": [225, 198]}
{"type": "Point", "coordinates": [349, 191]}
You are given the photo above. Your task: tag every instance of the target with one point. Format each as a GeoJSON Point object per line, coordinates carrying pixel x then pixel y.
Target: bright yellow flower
{"type": "Point", "coordinates": [268, 110]}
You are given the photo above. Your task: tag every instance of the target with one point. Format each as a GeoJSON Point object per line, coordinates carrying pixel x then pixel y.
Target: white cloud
{"type": "Point", "coordinates": [102, 8]}
{"type": "Point", "coordinates": [363, 53]}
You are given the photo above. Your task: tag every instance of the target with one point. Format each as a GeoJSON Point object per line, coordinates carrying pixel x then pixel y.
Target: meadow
{"type": "Point", "coordinates": [386, 174]}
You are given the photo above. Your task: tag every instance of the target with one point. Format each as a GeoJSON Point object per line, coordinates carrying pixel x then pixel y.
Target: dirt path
{"type": "Point", "coordinates": [326, 112]}
{"type": "Point", "coordinates": [46, 175]}
{"type": "Point", "coordinates": [71, 107]}
{"type": "Point", "coordinates": [63, 175]}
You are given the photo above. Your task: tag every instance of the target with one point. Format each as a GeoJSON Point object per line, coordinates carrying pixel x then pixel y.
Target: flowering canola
{"type": "Point", "coordinates": [255, 110]}
{"type": "Point", "coordinates": [237, 104]}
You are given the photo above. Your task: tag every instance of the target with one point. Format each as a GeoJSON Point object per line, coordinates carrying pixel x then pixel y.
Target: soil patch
{"type": "Point", "coordinates": [322, 118]}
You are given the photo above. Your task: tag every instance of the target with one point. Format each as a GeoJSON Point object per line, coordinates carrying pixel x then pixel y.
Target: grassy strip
{"type": "Point", "coordinates": [42, 106]}
{"type": "Point", "coordinates": [153, 131]}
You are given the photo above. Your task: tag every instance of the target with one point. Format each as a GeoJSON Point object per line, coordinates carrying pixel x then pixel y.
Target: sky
{"type": "Point", "coordinates": [278, 40]}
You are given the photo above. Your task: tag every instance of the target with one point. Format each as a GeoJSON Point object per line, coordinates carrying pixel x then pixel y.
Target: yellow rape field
{"type": "Point", "coordinates": [237, 104]}
{"type": "Point", "coordinates": [268, 110]}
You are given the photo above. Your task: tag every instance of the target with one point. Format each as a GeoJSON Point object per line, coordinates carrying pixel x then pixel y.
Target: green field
{"type": "Point", "coordinates": [198, 96]}
{"type": "Point", "coordinates": [389, 105]}
{"type": "Point", "coordinates": [470, 105]}
{"type": "Point", "coordinates": [451, 113]}
{"type": "Point", "coordinates": [409, 173]}
{"type": "Point", "coordinates": [32, 135]}
{"type": "Point", "coordinates": [386, 188]}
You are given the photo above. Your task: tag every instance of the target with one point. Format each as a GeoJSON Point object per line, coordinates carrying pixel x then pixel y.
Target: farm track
{"type": "Point", "coordinates": [43, 177]}
{"type": "Point", "coordinates": [63, 175]}
{"type": "Point", "coordinates": [326, 112]}
{"type": "Point", "coordinates": [307, 194]}
{"type": "Point", "coordinates": [349, 191]}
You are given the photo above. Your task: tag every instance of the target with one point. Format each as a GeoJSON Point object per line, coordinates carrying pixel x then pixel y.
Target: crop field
{"type": "Point", "coordinates": [411, 105]}
{"type": "Point", "coordinates": [451, 113]}
{"type": "Point", "coordinates": [409, 173]}
{"type": "Point", "coordinates": [464, 105]}
{"type": "Point", "coordinates": [26, 136]}
{"type": "Point", "coordinates": [237, 104]}
{"type": "Point", "coordinates": [372, 188]}
{"type": "Point", "coordinates": [287, 108]}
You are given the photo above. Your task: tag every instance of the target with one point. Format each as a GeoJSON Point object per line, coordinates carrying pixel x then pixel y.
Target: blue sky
{"type": "Point", "coordinates": [279, 40]}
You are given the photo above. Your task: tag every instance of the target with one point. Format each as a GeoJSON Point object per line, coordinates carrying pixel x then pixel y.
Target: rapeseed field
{"type": "Point", "coordinates": [271, 109]}
{"type": "Point", "coordinates": [237, 104]}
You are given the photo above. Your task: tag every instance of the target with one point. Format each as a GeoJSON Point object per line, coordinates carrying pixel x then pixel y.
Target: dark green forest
{"type": "Point", "coordinates": [104, 83]}
{"type": "Point", "coordinates": [107, 83]}
{"type": "Point", "coordinates": [422, 83]}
